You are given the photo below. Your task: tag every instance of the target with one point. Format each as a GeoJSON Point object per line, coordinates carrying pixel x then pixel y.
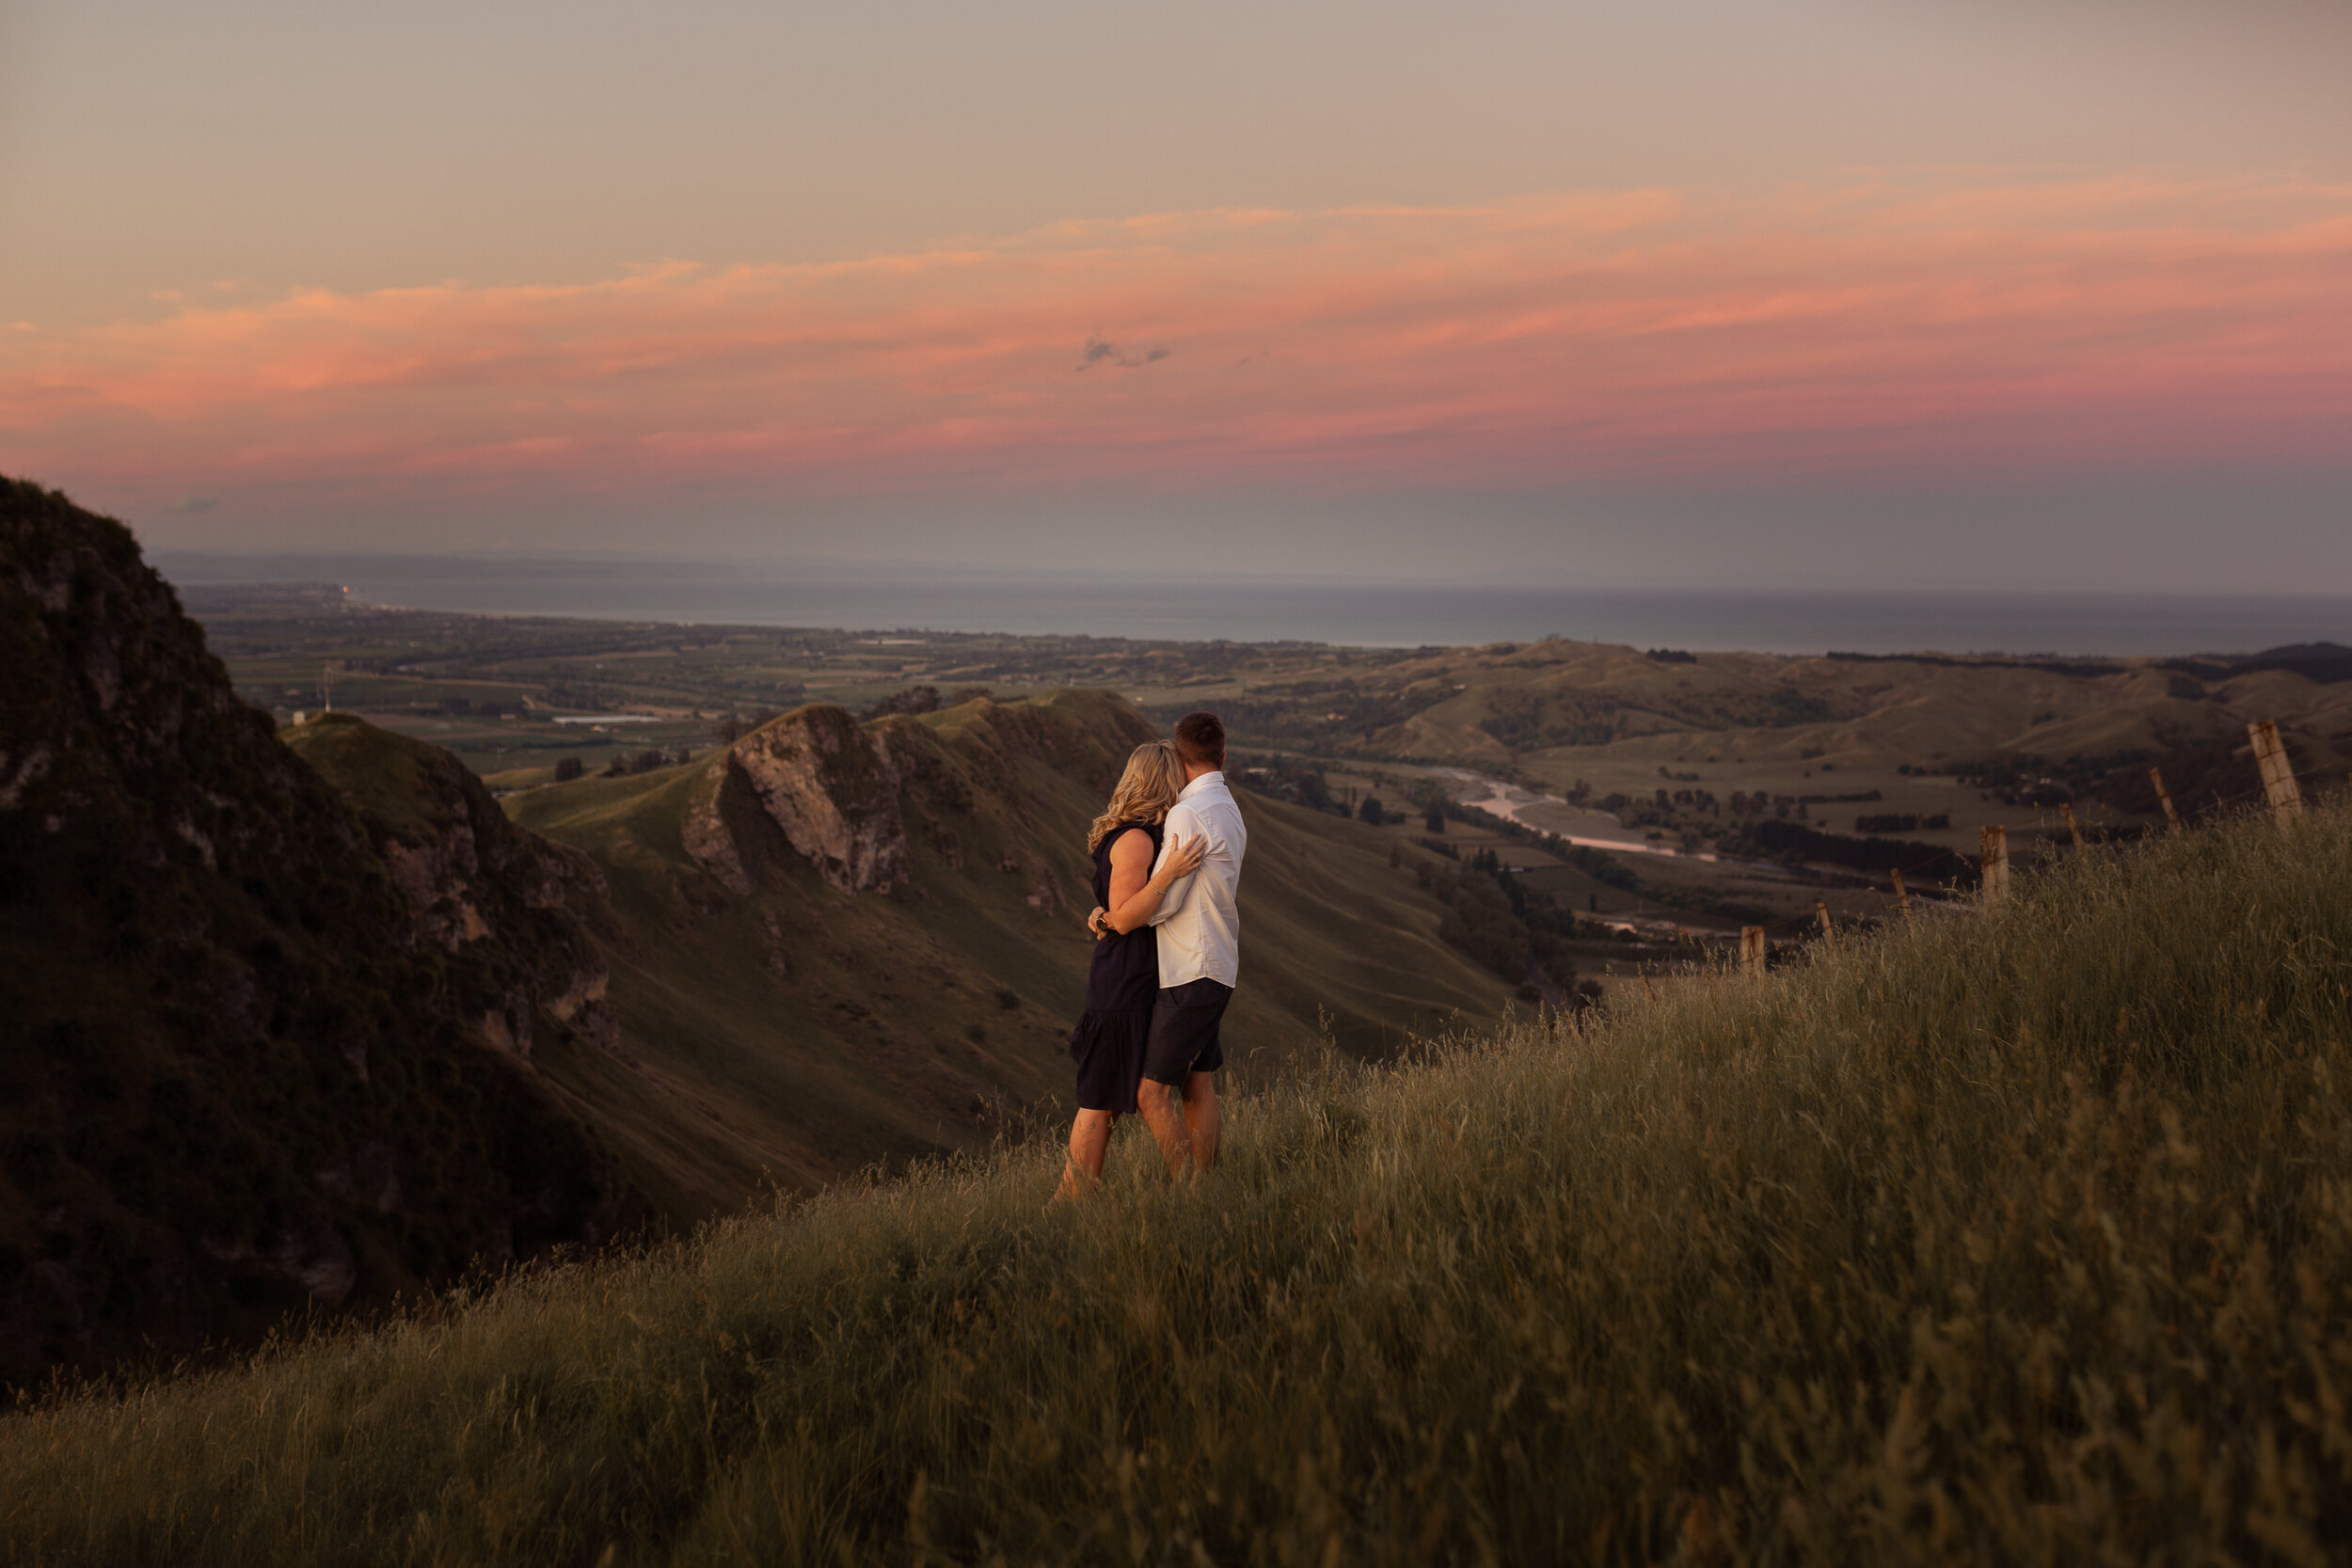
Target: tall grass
{"type": "Point", "coordinates": [2020, 1238]}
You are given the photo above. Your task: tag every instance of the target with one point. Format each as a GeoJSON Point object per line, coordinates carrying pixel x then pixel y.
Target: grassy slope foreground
{"type": "Point", "coordinates": [2025, 1237]}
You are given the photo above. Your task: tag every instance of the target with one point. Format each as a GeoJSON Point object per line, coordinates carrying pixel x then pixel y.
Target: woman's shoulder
{"type": "Point", "coordinates": [1126, 834]}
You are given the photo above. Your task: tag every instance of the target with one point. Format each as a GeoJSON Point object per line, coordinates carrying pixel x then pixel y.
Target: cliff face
{"type": "Point", "coordinates": [512, 911]}
{"type": "Point", "coordinates": [839, 794]}
{"type": "Point", "coordinates": [825, 784]}
{"type": "Point", "coordinates": [241, 1068]}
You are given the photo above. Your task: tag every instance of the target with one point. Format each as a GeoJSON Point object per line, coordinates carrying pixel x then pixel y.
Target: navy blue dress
{"type": "Point", "coordinates": [1121, 985]}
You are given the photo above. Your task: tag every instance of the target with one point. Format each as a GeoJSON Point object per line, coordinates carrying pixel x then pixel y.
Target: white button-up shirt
{"type": "Point", "coordinates": [1198, 923]}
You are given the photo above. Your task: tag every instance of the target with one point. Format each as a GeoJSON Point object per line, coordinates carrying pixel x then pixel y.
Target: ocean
{"type": "Point", "coordinates": [1264, 609]}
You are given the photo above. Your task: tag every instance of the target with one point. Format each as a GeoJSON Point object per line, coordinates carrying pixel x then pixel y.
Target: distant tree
{"type": "Point", "coordinates": [915, 699]}
{"type": "Point", "coordinates": [735, 727]}
{"type": "Point", "coordinates": [569, 769]}
{"type": "Point", "coordinates": [643, 762]}
{"type": "Point", "coordinates": [1371, 810]}
{"type": "Point", "coordinates": [1436, 821]}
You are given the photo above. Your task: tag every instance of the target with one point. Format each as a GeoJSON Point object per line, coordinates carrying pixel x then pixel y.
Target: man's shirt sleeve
{"type": "Point", "coordinates": [1184, 822]}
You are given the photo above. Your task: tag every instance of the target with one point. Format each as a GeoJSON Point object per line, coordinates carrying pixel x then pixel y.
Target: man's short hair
{"type": "Point", "coordinates": [1201, 738]}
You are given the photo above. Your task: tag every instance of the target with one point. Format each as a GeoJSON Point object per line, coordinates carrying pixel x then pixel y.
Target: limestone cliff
{"type": "Point", "coordinates": [824, 783]}
{"type": "Point", "coordinates": [510, 908]}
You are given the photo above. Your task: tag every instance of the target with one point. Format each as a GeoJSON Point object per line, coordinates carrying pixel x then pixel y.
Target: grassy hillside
{"type": "Point", "coordinates": [2020, 1237]}
{"type": "Point", "coordinates": [799, 1031]}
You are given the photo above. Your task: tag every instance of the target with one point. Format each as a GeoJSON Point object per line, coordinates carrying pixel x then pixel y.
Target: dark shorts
{"type": "Point", "coordinates": [1185, 1031]}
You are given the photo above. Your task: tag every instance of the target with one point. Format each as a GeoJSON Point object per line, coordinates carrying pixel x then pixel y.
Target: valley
{"type": "Point", "coordinates": [1670, 762]}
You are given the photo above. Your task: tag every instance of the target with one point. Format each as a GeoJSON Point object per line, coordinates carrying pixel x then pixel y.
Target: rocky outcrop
{"type": "Point", "coordinates": [714, 823]}
{"type": "Point", "coordinates": [244, 1063]}
{"type": "Point", "coordinates": [834, 794]}
{"type": "Point", "coordinates": [825, 784]}
{"type": "Point", "coordinates": [509, 907]}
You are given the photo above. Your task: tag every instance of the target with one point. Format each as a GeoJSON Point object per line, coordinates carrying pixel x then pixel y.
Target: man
{"type": "Point", "coordinates": [1198, 931]}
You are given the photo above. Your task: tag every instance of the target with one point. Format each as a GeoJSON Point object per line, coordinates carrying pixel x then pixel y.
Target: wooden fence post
{"type": "Point", "coordinates": [1902, 894]}
{"type": "Point", "coordinates": [1752, 950]}
{"type": "Point", "coordinates": [2278, 786]}
{"type": "Point", "coordinates": [2067, 807]}
{"type": "Point", "coordinates": [1828, 932]}
{"type": "Point", "coordinates": [1994, 843]}
{"type": "Point", "coordinates": [2155, 776]}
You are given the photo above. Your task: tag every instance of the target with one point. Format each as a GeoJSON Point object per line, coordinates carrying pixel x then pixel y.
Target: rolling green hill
{"type": "Point", "coordinates": [2013, 1236]}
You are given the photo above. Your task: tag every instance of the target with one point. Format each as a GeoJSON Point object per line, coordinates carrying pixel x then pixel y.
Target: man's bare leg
{"type": "Point", "coordinates": [1157, 1101]}
{"type": "Point", "coordinates": [1089, 1136]}
{"type": "Point", "coordinates": [1202, 1119]}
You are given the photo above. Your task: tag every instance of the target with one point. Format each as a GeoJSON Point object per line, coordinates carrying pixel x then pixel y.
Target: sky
{"type": "Point", "coordinates": [1914, 293]}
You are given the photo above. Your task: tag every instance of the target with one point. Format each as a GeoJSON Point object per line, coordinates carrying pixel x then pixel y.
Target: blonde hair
{"type": "Point", "coordinates": [1155, 777]}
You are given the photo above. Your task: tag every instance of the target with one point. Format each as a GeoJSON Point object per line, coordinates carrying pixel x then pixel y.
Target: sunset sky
{"type": "Point", "coordinates": [1918, 293]}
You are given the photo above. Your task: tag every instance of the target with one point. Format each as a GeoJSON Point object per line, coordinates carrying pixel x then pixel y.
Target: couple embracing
{"type": "Point", "coordinates": [1168, 856]}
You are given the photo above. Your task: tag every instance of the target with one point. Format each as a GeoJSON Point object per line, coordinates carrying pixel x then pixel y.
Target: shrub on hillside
{"type": "Point", "coordinates": [1300, 783]}
{"type": "Point", "coordinates": [735, 727]}
{"type": "Point", "coordinates": [1478, 921]}
{"type": "Point", "coordinates": [1903, 822]}
{"type": "Point", "coordinates": [650, 760]}
{"type": "Point", "coordinates": [1791, 841]}
{"type": "Point", "coordinates": [915, 699]}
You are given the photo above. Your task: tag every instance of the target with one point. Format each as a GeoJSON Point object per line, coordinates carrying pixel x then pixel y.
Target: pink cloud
{"type": "Point", "coordinates": [1879, 326]}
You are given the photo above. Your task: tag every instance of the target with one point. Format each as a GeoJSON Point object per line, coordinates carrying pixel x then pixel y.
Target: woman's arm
{"type": "Point", "coordinates": [1135, 888]}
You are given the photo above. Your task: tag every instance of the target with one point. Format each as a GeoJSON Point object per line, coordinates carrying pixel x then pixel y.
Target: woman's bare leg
{"type": "Point", "coordinates": [1090, 1137]}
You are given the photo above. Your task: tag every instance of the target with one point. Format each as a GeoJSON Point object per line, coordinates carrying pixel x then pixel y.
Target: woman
{"type": "Point", "coordinates": [1125, 977]}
